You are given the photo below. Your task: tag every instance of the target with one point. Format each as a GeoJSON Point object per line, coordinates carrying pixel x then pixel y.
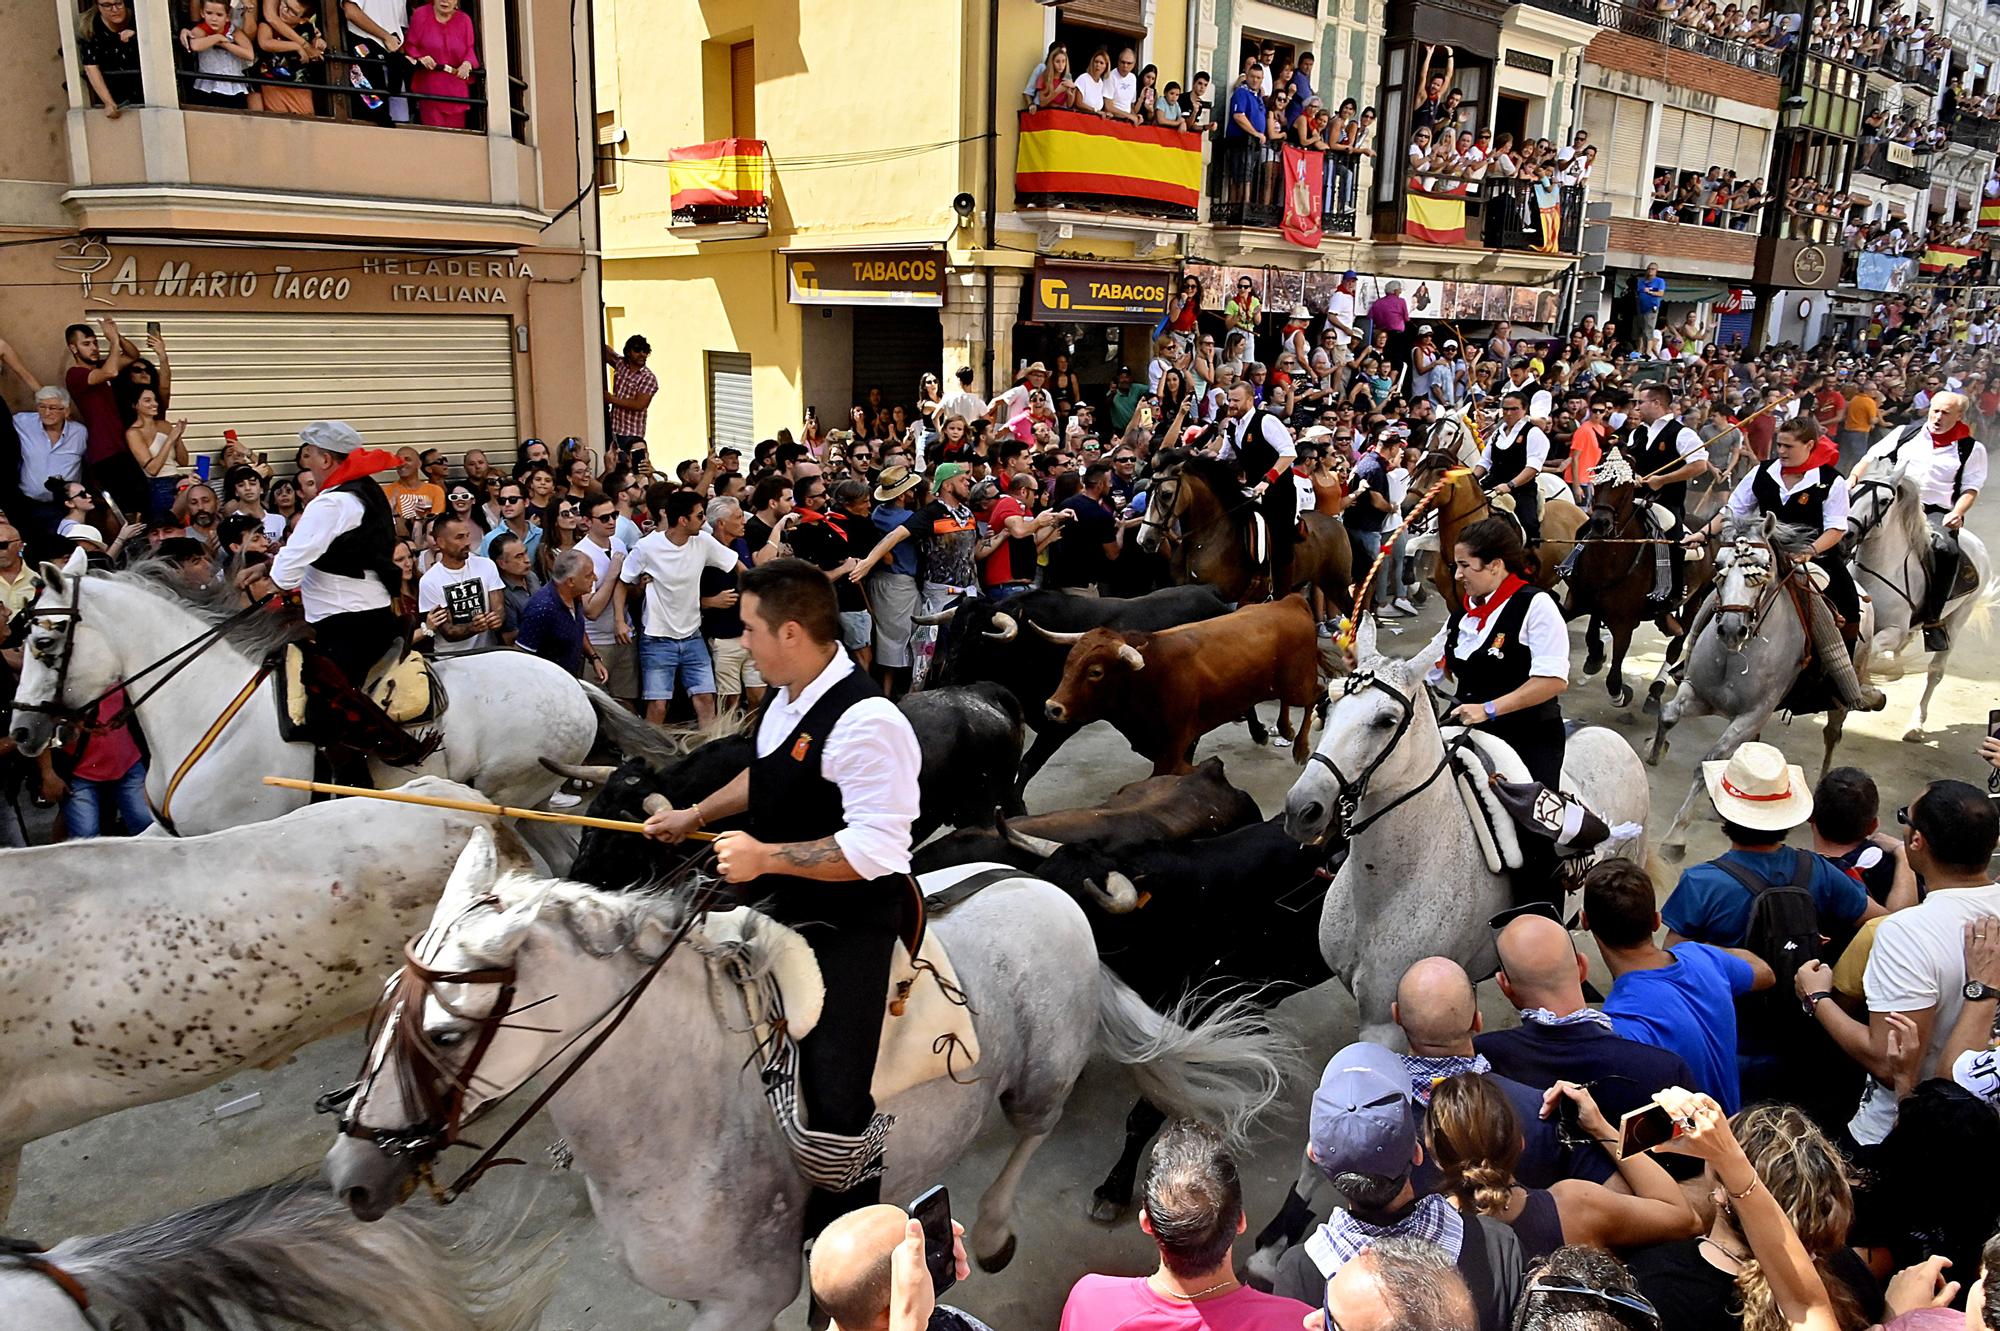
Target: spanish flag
{"type": "Point", "coordinates": [1070, 152]}
{"type": "Point", "coordinates": [1548, 206]}
{"type": "Point", "coordinates": [728, 173]}
{"type": "Point", "coordinates": [1937, 258]}
{"type": "Point", "coordinates": [1989, 211]}
{"type": "Point", "coordinates": [1434, 218]}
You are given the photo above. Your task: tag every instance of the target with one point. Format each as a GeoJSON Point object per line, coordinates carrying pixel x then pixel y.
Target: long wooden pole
{"type": "Point", "coordinates": [469, 806]}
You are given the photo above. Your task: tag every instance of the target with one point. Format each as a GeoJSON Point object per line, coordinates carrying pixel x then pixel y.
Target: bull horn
{"type": "Point", "coordinates": [1004, 628]}
{"type": "Point", "coordinates": [1118, 896]}
{"type": "Point", "coordinates": [595, 774]}
{"type": "Point", "coordinates": [1034, 845]}
{"type": "Point", "coordinates": [1065, 639]}
{"type": "Point", "coordinates": [655, 803]}
{"type": "Point", "coordinates": [1131, 657]}
{"type": "Point", "coordinates": [941, 617]}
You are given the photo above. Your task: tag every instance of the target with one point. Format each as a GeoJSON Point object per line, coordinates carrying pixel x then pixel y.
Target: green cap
{"type": "Point", "coordinates": [945, 471]}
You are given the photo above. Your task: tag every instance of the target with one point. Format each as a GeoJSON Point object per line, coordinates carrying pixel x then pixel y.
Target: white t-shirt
{"type": "Point", "coordinates": [461, 594]}
{"type": "Point", "coordinates": [1340, 312]}
{"type": "Point", "coordinates": [603, 627]}
{"type": "Point", "coordinates": [1090, 92]}
{"type": "Point", "coordinates": [1121, 90]}
{"type": "Point", "coordinates": [1918, 962]}
{"type": "Point", "coordinates": [673, 598]}
{"type": "Point", "coordinates": [389, 15]}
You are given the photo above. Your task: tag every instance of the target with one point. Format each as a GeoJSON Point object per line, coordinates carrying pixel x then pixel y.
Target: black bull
{"type": "Point", "coordinates": [1206, 915]}
{"type": "Point", "coordinates": [970, 739]}
{"type": "Point", "coordinates": [1005, 644]}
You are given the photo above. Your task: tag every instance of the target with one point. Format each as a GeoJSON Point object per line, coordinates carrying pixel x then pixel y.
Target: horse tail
{"type": "Point", "coordinates": [1983, 602]}
{"type": "Point", "coordinates": [1223, 1068]}
{"type": "Point", "coordinates": [628, 735]}
{"type": "Point", "coordinates": [295, 1252]}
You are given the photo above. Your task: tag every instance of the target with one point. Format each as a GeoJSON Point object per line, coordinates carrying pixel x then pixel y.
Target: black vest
{"type": "Point", "coordinates": [1649, 457]}
{"type": "Point", "coordinates": [1805, 509]}
{"type": "Point", "coordinates": [1508, 462]}
{"type": "Point", "coordinates": [791, 800]}
{"type": "Point", "coordinates": [1254, 453]}
{"type": "Point", "coordinates": [1501, 663]}
{"type": "Point", "coordinates": [370, 545]}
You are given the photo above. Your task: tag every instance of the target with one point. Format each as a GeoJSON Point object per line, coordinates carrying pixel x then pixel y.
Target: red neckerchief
{"type": "Point", "coordinates": [1479, 614]}
{"type": "Point", "coordinates": [1949, 437]}
{"type": "Point", "coordinates": [1824, 454]}
{"type": "Point", "coordinates": [361, 462]}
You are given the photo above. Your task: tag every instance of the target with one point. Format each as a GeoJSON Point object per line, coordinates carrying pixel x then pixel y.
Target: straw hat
{"type": "Point", "coordinates": [893, 482]}
{"type": "Point", "coordinates": [1036, 368]}
{"type": "Point", "coordinates": [83, 531]}
{"type": "Point", "coordinates": [1299, 315]}
{"type": "Point", "coordinates": [1757, 788]}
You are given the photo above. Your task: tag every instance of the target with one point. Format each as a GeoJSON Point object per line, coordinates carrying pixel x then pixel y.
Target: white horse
{"type": "Point", "coordinates": [288, 1252]}
{"type": "Point", "coordinates": [90, 631]}
{"type": "Point", "coordinates": [1892, 545]}
{"type": "Point", "coordinates": [687, 1172]}
{"type": "Point", "coordinates": [1415, 882]}
{"type": "Point", "coordinates": [133, 970]}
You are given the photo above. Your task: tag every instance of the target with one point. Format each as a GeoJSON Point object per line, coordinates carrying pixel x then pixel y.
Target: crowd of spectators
{"type": "Point", "coordinates": [1904, 40]}
{"type": "Point", "coordinates": [401, 62]}
{"type": "Point", "coordinates": [1904, 129]}
{"type": "Point", "coordinates": [1716, 198]}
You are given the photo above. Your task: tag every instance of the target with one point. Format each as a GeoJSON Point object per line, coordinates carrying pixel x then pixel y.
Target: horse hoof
{"type": "Point", "coordinates": [1674, 851]}
{"type": "Point", "coordinates": [1592, 664]}
{"type": "Point", "coordinates": [1651, 707]}
{"type": "Point", "coordinates": [1106, 1210]}
{"type": "Point", "coordinates": [1622, 699]}
{"type": "Point", "coordinates": [999, 1260]}
{"type": "Point", "coordinates": [1914, 735]}
{"type": "Point", "coordinates": [1653, 756]}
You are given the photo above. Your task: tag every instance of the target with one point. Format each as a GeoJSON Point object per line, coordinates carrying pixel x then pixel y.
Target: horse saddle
{"type": "Point", "coordinates": [927, 1029]}
{"type": "Point", "coordinates": [1965, 578]}
{"type": "Point", "coordinates": [1504, 802]}
{"type": "Point", "coordinates": [1662, 519]}
{"type": "Point", "coordinates": [401, 684]}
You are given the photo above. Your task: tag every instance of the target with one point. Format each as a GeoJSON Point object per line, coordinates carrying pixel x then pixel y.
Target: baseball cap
{"type": "Point", "coordinates": [1349, 275]}
{"type": "Point", "coordinates": [1362, 1121]}
{"type": "Point", "coordinates": [945, 471]}
{"type": "Point", "coordinates": [331, 437]}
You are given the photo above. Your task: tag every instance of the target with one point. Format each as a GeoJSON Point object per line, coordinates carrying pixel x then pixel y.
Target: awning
{"type": "Point", "coordinates": [1689, 291]}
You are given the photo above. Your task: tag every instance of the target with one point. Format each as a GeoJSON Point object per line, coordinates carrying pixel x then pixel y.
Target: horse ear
{"type": "Point", "coordinates": [1366, 655]}
{"type": "Point", "coordinates": [1770, 525]}
{"type": "Point", "coordinates": [472, 877]}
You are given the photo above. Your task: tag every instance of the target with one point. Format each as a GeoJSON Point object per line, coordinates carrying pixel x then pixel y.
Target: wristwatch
{"type": "Point", "coordinates": [1491, 711]}
{"type": "Point", "coordinates": [1976, 991]}
{"type": "Point", "coordinates": [1811, 1001]}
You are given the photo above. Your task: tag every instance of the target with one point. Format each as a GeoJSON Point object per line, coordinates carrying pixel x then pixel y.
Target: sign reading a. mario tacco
{"type": "Point", "coordinates": [866, 277]}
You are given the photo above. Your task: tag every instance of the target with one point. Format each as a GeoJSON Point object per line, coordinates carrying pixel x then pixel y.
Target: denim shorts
{"type": "Point", "coordinates": [661, 659]}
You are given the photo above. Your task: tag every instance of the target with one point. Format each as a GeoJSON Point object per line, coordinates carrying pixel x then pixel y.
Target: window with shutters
{"type": "Point", "coordinates": [1753, 146]}
{"type": "Point", "coordinates": [729, 410]}
{"type": "Point", "coordinates": [1619, 123]}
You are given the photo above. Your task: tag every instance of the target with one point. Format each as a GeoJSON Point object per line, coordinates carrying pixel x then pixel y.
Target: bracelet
{"type": "Point", "coordinates": [699, 821]}
{"type": "Point", "coordinates": [1755, 1180]}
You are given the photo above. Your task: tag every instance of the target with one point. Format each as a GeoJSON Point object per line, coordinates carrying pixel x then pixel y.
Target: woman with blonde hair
{"type": "Point", "coordinates": [1475, 1141]}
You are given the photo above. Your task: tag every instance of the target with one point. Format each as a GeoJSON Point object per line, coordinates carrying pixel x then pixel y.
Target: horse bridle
{"type": "Point", "coordinates": [1348, 793]}
{"type": "Point", "coordinates": [441, 1095]}
{"type": "Point", "coordinates": [1860, 534]}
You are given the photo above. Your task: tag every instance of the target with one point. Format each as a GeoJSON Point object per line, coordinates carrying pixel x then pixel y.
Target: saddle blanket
{"type": "Point", "coordinates": [1486, 765]}
{"type": "Point", "coordinates": [403, 688]}
{"type": "Point", "coordinates": [927, 1029]}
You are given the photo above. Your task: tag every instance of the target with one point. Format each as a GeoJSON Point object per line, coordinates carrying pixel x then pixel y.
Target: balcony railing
{"type": "Point", "coordinates": [1259, 201]}
{"type": "Point", "coordinates": [1584, 11]}
{"type": "Point", "coordinates": [1975, 132]}
{"type": "Point", "coordinates": [1904, 67]}
{"type": "Point", "coordinates": [720, 189]}
{"type": "Point", "coordinates": [1914, 174]}
{"type": "Point", "coordinates": [1075, 159]}
{"type": "Point", "coordinates": [1639, 20]}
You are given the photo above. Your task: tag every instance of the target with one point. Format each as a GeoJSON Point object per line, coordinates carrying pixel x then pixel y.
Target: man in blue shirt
{"type": "Point", "coordinates": [1649, 291]}
{"type": "Point", "coordinates": [1684, 999]}
{"type": "Point", "coordinates": [1244, 133]}
{"type": "Point", "coordinates": [552, 621]}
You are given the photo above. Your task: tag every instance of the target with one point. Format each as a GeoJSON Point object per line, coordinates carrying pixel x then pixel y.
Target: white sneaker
{"type": "Point", "coordinates": [562, 799]}
{"type": "Point", "coordinates": [1402, 603]}
{"type": "Point", "coordinates": [1394, 610]}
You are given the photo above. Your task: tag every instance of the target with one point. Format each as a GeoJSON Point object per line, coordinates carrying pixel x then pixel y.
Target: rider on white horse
{"type": "Point", "coordinates": [1956, 473]}
{"type": "Point", "coordinates": [341, 556]}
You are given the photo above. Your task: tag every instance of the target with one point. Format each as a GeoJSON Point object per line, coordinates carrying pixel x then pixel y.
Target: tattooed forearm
{"type": "Point", "coordinates": [813, 859]}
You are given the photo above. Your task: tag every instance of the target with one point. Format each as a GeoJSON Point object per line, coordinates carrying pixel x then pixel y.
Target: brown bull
{"type": "Point", "coordinates": [1165, 690]}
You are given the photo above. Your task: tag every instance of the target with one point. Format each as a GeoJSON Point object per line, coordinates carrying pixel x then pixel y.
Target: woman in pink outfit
{"type": "Point", "coordinates": [441, 43]}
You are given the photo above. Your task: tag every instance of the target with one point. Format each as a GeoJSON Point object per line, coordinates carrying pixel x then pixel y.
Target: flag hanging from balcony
{"type": "Point", "coordinates": [1072, 153]}
{"type": "Point", "coordinates": [1305, 178]}
{"type": "Point", "coordinates": [1548, 207]}
{"type": "Point", "coordinates": [728, 173]}
{"type": "Point", "coordinates": [1989, 203]}
{"type": "Point", "coordinates": [1937, 258]}
{"type": "Point", "coordinates": [1434, 211]}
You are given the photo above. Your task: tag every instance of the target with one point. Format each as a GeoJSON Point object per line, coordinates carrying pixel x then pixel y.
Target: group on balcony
{"type": "Point", "coordinates": [1717, 199]}
{"type": "Point", "coordinates": [1111, 88]}
{"type": "Point", "coordinates": [1740, 34]}
{"type": "Point", "coordinates": [1905, 130]}
{"type": "Point", "coordinates": [401, 63]}
{"type": "Point", "coordinates": [1902, 41]}
{"type": "Point", "coordinates": [1273, 104]}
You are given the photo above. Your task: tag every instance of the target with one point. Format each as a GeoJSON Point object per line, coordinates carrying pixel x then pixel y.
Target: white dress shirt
{"type": "Point", "coordinates": [1940, 459]}
{"type": "Point", "coordinates": [331, 513]}
{"type": "Point", "coordinates": [1543, 630]}
{"type": "Point", "coordinates": [43, 461]}
{"type": "Point", "coordinates": [871, 754]}
{"type": "Point", "coordinates": [1686, 445]}
{"type": "Point", "coordinates": [1236, 429]}
{"type": "Point", "coordinates": [1743, 501]}
{"type": "Point", "coordinates": [1537, 447]}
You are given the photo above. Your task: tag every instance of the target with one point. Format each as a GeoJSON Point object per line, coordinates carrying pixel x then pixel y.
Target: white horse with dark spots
{"type": "Point", "coordinates": [1415, 883]}
{"type": "Point", "coordinates": [134, 970]}
{"type": "Point", "coordinates": [687, 1172]}
{"type": "Point", "coordinates": [90, 631]}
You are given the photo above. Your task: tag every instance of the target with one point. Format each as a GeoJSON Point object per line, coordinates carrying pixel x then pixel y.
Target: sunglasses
{"type": "Point", "coordinates": [1637, 1303]}
{"type": "Point", "coordinates": [511, 499]}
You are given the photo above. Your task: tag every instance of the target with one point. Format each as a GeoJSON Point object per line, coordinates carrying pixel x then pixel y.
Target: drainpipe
{"type": "Point", "coordinates": [992, 179]}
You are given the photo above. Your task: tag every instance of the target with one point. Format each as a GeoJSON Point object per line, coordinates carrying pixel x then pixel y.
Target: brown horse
{"type": "Point", "coordinates": [1611, 582]}
{"type": "Point", "coordinates": [1462, 503]}
{"type": "Point", "coordinates": [1198, 513]}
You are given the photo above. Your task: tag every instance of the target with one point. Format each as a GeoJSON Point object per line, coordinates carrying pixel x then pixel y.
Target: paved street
{"type": "Point", "coordinates": [148, 1161]}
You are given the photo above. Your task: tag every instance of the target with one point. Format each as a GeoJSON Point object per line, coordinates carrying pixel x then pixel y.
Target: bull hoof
{"type": "Point", "coordinates": [1106, 1210]}
{"type": "Point", "coordinates": [999, 1260]}
{"type": "Point", "coordinates": [1674, 851]}
{"type": "Point", "coordinates": [1592, 664]}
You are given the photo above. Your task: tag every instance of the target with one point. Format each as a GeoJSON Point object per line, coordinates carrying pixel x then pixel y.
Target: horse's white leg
{"type": "Point", "coordinates": [1933, 676]}
{"type": "Point", "coordinates": [993, 1232]}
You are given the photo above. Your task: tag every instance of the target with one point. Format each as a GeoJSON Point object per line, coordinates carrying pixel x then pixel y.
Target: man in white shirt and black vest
{"type": "Point", "coordinates": [1665, 455]}
{"type": "Point", "coordinates": [1511, 463]}
{"type": "Point", "coordinates": [831, 796]}
{"type": "Point", "coordinates": [1260, 445]}
{"type": "Point", "coordinates": [1540, 401]}
{"type": "Point", "coordinates": [1957, 473]}
{"type": "Point", "coordinates": [341, 555]}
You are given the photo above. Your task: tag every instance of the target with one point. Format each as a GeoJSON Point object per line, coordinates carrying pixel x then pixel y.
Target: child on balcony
{"type": "Point", "coordinates": [219, 46]}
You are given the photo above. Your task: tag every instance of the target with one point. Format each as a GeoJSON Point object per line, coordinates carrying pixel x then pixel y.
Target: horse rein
{"type": "Point", "coordinates": [1867, 483]}
{"type": "Point", "coordinates": [32, 1257]}
{"type": "Point", "coordinates": [1350, 793]}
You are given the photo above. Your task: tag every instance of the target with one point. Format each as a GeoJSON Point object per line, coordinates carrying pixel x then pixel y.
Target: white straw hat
{"type": "Point", "coordinates": [1757, 788]}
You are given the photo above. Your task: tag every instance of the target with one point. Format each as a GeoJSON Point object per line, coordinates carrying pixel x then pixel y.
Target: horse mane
{"type": "Point", "coordinates": [661, 747]}
{"type": "Point", "coordinates": [253, 635]}
{"type": "Point", "coordinates": [637, 921]}
{"type": "Point", "coordinates": [1217, 475]}
{"type": "Point", "coordinates": [1787, 539]}
{"type": "Point", "coordinates": [293, 1255]}
{"type": "Point", "coordinates": [1907, 513]}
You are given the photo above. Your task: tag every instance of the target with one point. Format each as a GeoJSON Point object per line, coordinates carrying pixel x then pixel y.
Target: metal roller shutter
{"type": "Point", "coordinates": [1620, 124]}
{"type": "Point", "coordinates": [729, 403]}
{"type": "Point", "coordinates": [893, 350]}
{"type": "Point", "coordinates": [421, 380]}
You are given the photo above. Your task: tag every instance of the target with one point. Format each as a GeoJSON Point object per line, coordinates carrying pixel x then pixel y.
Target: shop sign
{"type": "Point", "coordinates": [264, 279]}
{"type": "Point", "coordinates": [867, 277]}
{"type": "Point", "coordinates": [1100, 293]}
